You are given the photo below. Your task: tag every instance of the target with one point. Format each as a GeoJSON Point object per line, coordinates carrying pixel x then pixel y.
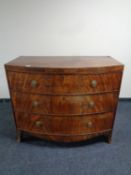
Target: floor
{"type": "Point", "coordinates": [37, 157]}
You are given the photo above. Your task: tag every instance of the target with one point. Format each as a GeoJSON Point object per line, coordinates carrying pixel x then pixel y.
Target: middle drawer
{"type": "Point", "coordinates": [69, 105]}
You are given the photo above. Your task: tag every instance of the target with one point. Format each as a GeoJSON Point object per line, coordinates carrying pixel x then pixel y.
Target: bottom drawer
{"type": "Point", "coordinates": [64, 125]}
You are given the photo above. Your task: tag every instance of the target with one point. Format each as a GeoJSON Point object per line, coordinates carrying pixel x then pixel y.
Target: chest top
{"type": "Point", "coordinates": [64, 64]}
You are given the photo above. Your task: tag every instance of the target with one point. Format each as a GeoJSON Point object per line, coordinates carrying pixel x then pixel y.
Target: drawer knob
{"type": "Point", "coordinates": [89, 124]}
{"type": "Point", "coordinates": [38, 123]}
{"type": "Point", "coordinates": [91, 104]}
{"type": "Point", "coordinates": [93, 83]}
{"type": "Point", "coordinates": [33, 83]}
{"type": "Point", "coordinates": [35, 103]}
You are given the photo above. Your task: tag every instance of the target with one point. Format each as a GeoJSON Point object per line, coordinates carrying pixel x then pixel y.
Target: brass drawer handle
{"type": "Point", "coordinates": [35, 103]}
{"type": "Point", "coordinates": [89, 124]}
{"type": "Point", "coordinates": [33, 83]}
{"type": "Point", "coordinates": [91, 104]}
{"type": "Point", "coordinates": [38, 123]}
{"type": "Point", "coordinates": [93, 83]}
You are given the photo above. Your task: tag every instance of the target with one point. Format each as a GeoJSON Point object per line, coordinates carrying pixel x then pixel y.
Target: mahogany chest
{"type": "Point", "coordinates": [64, 98]}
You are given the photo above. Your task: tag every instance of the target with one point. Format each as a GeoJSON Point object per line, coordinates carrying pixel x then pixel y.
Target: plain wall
{"type": "Point", "coordinates": [66, 27]}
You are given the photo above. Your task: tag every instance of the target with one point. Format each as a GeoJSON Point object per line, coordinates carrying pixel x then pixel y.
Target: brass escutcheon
{"type": "Point", "coordinates": [38, 123]}
{"type": "Point", "coordinates": [35, 103]}
{"type": "Point", "coordinates": [91, 104]}
{"type": "Point", "coordinates": [93, 83]}
{"type": "Point", "coordinates": [33, 83]}
{"type": "Point", "coordinates": [89, 124]}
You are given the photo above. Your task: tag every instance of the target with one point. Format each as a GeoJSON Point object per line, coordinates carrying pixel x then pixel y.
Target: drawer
{"type": "Point", "coordinates": [86, 84]}
{"type": "Point", "coordinates": [33, 83]}
{"type": "Point", "coordinates": [64, 84]}
{"type": "Point", "coordinates": [64, 125]}
{"type": "Point", "coordinates": [52, 105]}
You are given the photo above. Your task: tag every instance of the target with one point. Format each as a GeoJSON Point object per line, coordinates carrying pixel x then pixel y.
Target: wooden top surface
{"type": "Point", "coordinates": [64, 64]}
{"type": "Point", "coordinates": [64, 61]}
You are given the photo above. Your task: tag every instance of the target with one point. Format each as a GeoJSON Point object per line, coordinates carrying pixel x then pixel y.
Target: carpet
{"type": "Point", "coordinates": [38, 157]}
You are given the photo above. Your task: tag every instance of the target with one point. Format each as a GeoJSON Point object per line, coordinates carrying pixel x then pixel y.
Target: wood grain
{"type": "Point", "coordinates": [64, 84]}
{"type": "Point", "coordinates": [65, 64]}
{"type": "Point", "coordinates": [64, 99]}
{"type": "Point", "coordinates": [58, 125]}
{"type": "Point", "coordinates": [57, 105]}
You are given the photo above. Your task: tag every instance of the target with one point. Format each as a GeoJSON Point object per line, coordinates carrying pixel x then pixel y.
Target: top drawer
{"type": "Point", "coordinates": [64, 84]}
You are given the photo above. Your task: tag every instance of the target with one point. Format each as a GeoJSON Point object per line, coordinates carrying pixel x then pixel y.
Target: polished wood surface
{"type": "Point", "coordinates": [64, 61]}
{"type": "Point", "coordinates": [64, 64]}
{"type": "Point", "coordinates": [64, 99]}
{"type": "Point", "coordinates": [64, 84]}
{"type": "Point", "coordinates": [61, 105]}
{"type": "Point", "coordinates": [58, 125]}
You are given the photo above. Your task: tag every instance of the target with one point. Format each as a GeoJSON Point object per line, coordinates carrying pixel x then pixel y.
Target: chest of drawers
{"type": "Point", "coordinates": [64, 99]}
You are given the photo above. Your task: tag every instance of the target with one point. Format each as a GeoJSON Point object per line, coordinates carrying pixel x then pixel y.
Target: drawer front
{"type": "Point", "coordinates": [64, 125]}
{"type": "Point", "coordinates": [89, 84]}
{"type": "Point", "coordinates": [32, 83]}
{"type": "Point", "coordinates": [43, 104]}
{"type": "Point", "coordinates": [60, 84]}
